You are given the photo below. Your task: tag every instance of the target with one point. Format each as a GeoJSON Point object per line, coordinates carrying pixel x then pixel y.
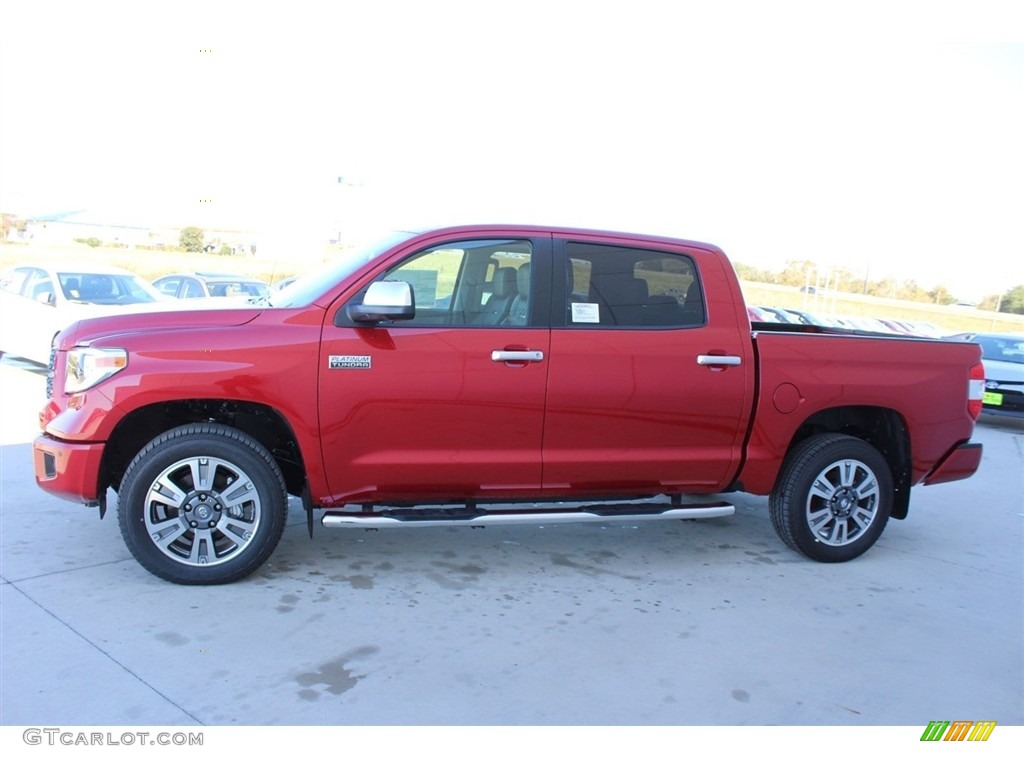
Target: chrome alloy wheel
{"type": "Point", "coordinates": [202, 511]}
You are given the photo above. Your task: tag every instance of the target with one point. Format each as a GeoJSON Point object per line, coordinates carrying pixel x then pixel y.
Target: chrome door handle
{"type": "Point", "coordinates": [516, 356]}
{"type": "Point", "coordinates": [716, 360]}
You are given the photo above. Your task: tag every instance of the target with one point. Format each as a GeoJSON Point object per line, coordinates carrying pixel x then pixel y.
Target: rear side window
{"type": "Point", "coordinates": [13, 281]}
{"type": "Point", "coordinates": [614, 286]}
{"type": "Point", "coordinates": [22, 280]}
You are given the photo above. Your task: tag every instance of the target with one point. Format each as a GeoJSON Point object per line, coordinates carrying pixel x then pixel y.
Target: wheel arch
{"type": "Point", "coordinates": [883, 428]}
{"type": "Point", "coordinates": [261, 422]}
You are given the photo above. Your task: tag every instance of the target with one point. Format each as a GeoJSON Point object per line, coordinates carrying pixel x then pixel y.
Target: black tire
{"type": "Point", "coordinates": [833, 498]}
{"type": "Point", "coordinates": [202, 504]}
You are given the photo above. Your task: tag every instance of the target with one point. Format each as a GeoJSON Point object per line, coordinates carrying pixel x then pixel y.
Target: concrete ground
{"type": "Point", "coordinates": [667, 623]}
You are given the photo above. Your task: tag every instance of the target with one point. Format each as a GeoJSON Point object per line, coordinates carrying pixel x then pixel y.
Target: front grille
{"type": "Point", "coordinates": [49, 372]}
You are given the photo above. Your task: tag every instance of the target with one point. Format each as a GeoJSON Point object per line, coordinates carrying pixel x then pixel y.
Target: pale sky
{"type": "Point", "coordinates": [894, 156]}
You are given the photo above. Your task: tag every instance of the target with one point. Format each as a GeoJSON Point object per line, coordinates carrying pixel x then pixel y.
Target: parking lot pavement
{"type": "Point", "coordinates": [669, 623]}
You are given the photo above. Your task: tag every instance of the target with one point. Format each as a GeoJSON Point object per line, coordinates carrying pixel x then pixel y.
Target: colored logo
{"type": "Point", "coordinates": [958, 730]}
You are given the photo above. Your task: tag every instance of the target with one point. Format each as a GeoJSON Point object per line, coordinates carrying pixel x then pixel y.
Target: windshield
{"type": "Point", "coordinates": [237, 288]}
{"type": "Point", "coordinates": [1008, 350]}
{"type": "Point", "coordinates": [96, 288]}
{"type": "Point", "coordinates": [311, 286]}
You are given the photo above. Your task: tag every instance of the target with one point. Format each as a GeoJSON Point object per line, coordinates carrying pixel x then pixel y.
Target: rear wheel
{"type": "Point", "coordinates": [202, 504]}
{"type": "Point", "coordinates": [833, 498]}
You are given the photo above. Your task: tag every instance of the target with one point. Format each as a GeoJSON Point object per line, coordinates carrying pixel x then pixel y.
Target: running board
{"type": "Point", "coordinates": [622, 513]}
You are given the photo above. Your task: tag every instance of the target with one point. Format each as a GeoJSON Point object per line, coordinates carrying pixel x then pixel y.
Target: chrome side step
{"type": "Point", "coordinates": [621, 513]}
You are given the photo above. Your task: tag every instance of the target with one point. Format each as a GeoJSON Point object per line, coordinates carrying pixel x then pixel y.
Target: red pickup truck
{"type": "Point", "coordinates": [488, 374]}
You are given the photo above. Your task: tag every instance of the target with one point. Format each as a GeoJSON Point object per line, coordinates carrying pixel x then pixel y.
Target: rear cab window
{"type": "Point", "coordinates": [624, 287]}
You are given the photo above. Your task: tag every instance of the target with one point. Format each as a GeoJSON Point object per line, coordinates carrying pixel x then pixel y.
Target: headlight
{"type": "Point", "coordinates": [88, 366]}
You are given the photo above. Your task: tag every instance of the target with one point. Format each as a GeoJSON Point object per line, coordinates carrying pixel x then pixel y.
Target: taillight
{"type": "Point", "coordinates": [975, 390]}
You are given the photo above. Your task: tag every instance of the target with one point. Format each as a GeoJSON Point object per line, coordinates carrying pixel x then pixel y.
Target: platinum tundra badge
{"type": "Point", "coordinates": [349, 361]}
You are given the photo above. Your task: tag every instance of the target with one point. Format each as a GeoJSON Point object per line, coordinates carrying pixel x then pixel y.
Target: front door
{"type": "Point", "coordinates": [447, 406]}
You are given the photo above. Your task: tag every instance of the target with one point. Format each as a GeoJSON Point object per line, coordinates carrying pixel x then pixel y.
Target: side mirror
{"type": "Point", "coordinates": [384, 300]}
{"type": "Point", "coordinates": [48, 298]}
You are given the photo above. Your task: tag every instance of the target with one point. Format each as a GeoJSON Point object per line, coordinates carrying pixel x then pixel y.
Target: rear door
{"type": "Point", "coordinates": [650, 383]}
{"type": "Point", "coordinates": [449, 405]}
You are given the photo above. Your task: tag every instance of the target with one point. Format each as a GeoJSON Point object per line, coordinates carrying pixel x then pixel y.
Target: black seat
{"type": "Point", "coordinates": [519, 312]}
{"type": "Point", "coordinates": [621, 299]}
{"type": "Point", "coordinates": [667, 312]}
{"type": "Point", "coordinates": [693, 306]}
{"type": "Point", "coordinates": [664, 311]}
{"type": "Point", "coordinates": [503, 293]}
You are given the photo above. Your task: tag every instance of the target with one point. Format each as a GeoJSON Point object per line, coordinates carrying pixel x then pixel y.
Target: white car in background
{"type": "Point", "coordinates": [1002, 354]}
{"type": "Point", "coordinates": [37, 302]}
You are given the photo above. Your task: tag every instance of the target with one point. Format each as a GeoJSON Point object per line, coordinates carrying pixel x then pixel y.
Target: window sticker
{"type": "Point", "coordinates": [585, 313]}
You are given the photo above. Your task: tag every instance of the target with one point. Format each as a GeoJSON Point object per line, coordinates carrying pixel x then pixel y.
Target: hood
{"type": "Point", "coordinates": [997, 370]}
{"type": "Point", "coordinates": [144, 317]}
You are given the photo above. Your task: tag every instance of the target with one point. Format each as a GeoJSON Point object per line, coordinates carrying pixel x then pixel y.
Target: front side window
{"type": "Point", "coordinates": [191, 289]}
{"type": "Point", "coordinates": [37, 285]}
{"type": "Point", "coordinates": [469, 283]}
{"type": "Point", "coordinates": [169, 286]}
{"type": "Point", "coordinates": [615, 286]}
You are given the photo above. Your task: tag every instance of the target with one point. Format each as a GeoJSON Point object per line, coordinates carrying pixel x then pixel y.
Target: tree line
{"type": "Point", "coordinates": [807, 274]}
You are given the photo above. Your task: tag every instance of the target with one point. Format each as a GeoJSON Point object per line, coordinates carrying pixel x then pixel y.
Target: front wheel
{"type": "Point", "coordinates": [833, 498]}
{"type": "Point", "coordinates": [202, 504]}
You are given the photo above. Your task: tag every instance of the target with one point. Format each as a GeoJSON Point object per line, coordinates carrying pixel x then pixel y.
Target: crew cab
{"type": "Point", "coordinates": [481, 375]}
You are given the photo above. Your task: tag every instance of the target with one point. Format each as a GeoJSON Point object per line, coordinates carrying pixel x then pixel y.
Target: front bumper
{"type": "Point", "coordinates": [70, 471]}
{"type": "Point", "coordinates": [1003, 398]}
